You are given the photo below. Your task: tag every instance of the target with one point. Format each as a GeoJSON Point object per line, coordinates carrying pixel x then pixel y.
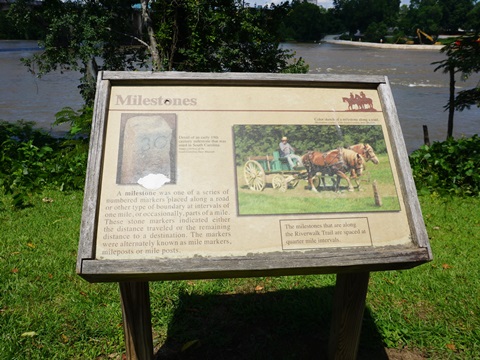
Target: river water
{"type": "Point", "coordinates": [419, 92]}
{"type": "Point", "coordinates": [23, 96]}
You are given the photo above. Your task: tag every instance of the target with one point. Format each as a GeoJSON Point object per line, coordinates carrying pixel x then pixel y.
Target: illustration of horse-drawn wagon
{"type": "Point", "coordinates": [259, 171]}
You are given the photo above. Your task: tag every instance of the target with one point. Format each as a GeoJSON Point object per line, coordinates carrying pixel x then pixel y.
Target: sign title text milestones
{"type": "Point", "coordinates": [132, 100]}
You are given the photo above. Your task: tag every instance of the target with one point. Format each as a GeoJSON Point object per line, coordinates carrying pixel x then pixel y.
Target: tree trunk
{"type": "Point", "coordinates": [92, 71]}
{"type": "Point", "coordinates": [451, 102]}
{"type": "Point", "coordinates": [173, 48]}
{"type": "Point", "coordinates": [153, 47]}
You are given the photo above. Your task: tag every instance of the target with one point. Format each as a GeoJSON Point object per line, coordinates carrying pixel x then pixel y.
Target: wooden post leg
{"type": "Point", "coordinates": [347, 315]}
{"type": "Point", "coordinates": [426, 138]}
{"type": "Point", "coordinates": [137, 323]}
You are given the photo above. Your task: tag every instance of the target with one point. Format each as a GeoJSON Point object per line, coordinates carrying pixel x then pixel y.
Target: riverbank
{"type": "Point", "coordinates": [333, 39]}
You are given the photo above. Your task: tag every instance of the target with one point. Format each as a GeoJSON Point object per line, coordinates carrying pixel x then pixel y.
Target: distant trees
{"type": "Point", "coordinates": [436, 16]}
{"type": "Point", "coordinates": [425, 15]}
{"type": "Point", "coordinates": [305, 21]}
{"type": "Point", "coordinates": [472, 20]}
{"type": "Point", "coordinates": [21, 21]}
{"type": "Point", "coordinates": [453, 15]}
{"type": "Point", "coordinates": [376, 32]}
{"type": "Point", "coordinates": [359, 14]}
{"type": "Point", "coordinates": [172, 24]}
{"type": "Point", "coordinates": [432, 16]}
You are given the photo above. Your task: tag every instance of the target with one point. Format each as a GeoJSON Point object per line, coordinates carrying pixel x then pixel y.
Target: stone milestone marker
{"type": "Point", "coordinates": [145, 149]}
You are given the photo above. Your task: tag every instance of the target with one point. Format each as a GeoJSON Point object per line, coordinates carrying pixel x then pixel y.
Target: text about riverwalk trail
{"type": "Point", "coordinates": [315, 233]}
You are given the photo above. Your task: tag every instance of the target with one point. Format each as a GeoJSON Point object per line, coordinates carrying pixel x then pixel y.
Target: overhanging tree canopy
{"type": "Point", "coordinates": [188, 35]}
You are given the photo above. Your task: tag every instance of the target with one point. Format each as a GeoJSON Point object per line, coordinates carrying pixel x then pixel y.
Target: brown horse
{"type": "Point", "coordinates": [334, 162]}
{"type": "Point", "coordinates": [351, 102]}
{"type": "Point", "coordinates": [366, 151]}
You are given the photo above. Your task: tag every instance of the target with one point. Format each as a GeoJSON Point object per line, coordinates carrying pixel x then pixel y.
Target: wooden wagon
{"type": "Point", "coordinates": [262, 170]}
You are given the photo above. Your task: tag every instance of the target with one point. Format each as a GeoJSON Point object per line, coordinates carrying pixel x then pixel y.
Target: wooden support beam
{"type": "Point", "coordinates": [347, 315]}
{"type": "Point", "coordinates": [426, 137]}
{"type": "Point", "coordinates": [137, 324]}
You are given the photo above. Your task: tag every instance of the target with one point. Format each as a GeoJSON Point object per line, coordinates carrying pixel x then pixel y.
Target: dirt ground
{"type": "Point", "coordinates": [404, 354]}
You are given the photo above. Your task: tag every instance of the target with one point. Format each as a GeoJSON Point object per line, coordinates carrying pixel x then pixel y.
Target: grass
{"type": "Point", "coordinates": [265, 203]}
{"type": "Point", "coordinates": [48, 312]}
{"type": "Point", "coordinates": [436, 306]}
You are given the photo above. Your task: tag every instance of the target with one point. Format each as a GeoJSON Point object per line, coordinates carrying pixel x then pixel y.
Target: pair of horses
{"type": "Point", "coordinates": [339, 162]}
{"type": "Point", "coordinates": [360, 102]}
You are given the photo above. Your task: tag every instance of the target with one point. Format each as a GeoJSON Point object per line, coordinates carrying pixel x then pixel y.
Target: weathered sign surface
{"type": "Point", "coordinates": [183, 184]}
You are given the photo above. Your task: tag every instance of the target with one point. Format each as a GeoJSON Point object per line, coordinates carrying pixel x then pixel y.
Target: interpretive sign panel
{"type": "Point", "coordinates": [212, 175]}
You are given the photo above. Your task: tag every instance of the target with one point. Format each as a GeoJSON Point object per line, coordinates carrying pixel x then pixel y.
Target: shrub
{"type": "Point", "coordinates": [32, 160]}
{"type": "Point", "coordinates": [80, 121]}
{"type": "Point", "coordinates": [449, 167]}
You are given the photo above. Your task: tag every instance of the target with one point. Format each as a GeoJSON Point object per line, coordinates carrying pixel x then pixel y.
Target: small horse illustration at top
{"type": "Point", "coordinates": [362, 102]}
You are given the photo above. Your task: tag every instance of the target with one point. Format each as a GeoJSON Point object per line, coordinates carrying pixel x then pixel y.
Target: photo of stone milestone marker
{"type": "Point", "coordinates": [145, 151]}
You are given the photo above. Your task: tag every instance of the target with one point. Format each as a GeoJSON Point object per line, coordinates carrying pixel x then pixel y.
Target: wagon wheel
{"type": "Point", "coordinates": [293, 183]}
{"type": "Point", "coordinates": [254, 175]}
{"type": "Point", "coordinates": [279, 183]}
{"type": "Point", "coordinates": [292, 180]}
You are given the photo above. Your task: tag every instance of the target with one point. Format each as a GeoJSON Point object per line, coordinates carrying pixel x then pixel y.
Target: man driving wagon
{"type": "Point", "coordinates": [287, 151]}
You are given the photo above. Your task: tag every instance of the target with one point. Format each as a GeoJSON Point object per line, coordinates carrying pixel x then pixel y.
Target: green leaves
{"type": "Point", "coordinates": [80, 121]}
{"type": "Point", "coordinates": [463, 56]}
{"type": "Point", "coordinates": [31, 161]}
{"type": "Point", "coordinates": [449, 167]}
{"type": "Point", "coordinates": [223, 37]}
